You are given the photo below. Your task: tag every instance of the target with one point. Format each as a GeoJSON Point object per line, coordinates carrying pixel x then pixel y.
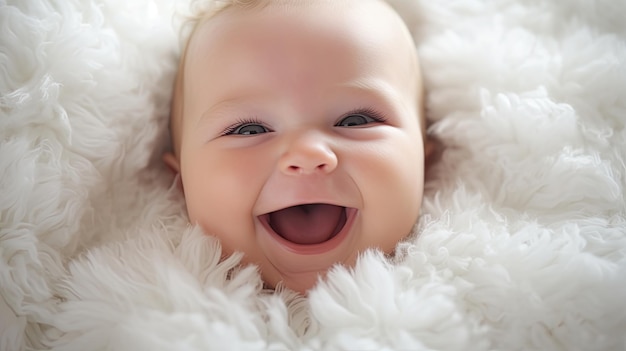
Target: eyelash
{"type": "Point", "coordinates": [233, 127]}
{"type": "Point", "coordinates": [366, 111]}
{"type": "Point", "coordinates": [375, 115]}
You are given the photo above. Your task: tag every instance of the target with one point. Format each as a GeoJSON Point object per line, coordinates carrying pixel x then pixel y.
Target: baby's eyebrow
{"type": "Point", "coordinates": [377, 88]}
{"type": "Point", "coordinates": [232, 103]}
{"type": "Point", "coordinates": [374, 89]}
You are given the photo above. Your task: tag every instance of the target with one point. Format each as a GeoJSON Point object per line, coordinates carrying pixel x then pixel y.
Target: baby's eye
{"type": "Point", "coordinates": [246, 128]}
{"type": "Point", "coordinates": [359, 118]}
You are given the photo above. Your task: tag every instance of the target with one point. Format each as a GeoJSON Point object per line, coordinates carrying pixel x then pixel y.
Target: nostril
{"type": "Point", "coordinates": [307, 158]}
{"type": "Point", "coordinates": [294, 169]}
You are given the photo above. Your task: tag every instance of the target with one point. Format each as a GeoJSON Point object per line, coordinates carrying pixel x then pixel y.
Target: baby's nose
{"type": "Point", "coordinates": [309, 153]}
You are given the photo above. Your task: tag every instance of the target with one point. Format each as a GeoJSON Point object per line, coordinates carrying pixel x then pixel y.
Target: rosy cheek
{"type": "Point", "coordinates": [218, 179]}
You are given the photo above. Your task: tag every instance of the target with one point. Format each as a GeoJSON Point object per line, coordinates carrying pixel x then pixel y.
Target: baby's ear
{"type": "Point", "coordinates": [432, 151]}
{"type": "Point", "coordinates": [429, 148]}
{"type": "Point", "coordinates": [171, 162]}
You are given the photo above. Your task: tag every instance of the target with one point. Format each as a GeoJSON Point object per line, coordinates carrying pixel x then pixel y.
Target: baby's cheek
{"type": "Point", "coordinates": [398, 203]}
{"type": "Point", "coordinates": [224, 216]}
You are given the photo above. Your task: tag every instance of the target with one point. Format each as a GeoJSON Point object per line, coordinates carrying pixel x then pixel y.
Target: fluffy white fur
{"type": "Point", "coordinates": [522, 242]}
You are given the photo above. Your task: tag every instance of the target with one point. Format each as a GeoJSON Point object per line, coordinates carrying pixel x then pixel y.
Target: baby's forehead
{"type": "Point", "coordinates": [229, 10]}
{"type": "Point", "coordinates": [316, 29]}
{"type": "Point", "coordinates": [377, 14]}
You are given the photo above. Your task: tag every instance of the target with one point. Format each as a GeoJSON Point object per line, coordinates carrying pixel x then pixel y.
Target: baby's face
{"type": "Point", "coordinates": [301, 144]}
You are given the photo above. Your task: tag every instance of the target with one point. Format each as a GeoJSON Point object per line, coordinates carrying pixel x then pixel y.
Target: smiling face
{"type": "Point", "coordinates": [299, 142]}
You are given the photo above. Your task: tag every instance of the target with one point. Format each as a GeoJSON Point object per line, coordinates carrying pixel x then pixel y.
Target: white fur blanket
{"type": "Point", "coordinates": [522, 242]}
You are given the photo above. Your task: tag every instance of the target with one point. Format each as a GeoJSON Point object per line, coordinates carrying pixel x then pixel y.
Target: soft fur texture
{"type": "Point", "coordinates": [521, 245]}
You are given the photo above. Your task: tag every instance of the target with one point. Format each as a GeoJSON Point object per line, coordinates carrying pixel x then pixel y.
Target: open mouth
{"type": "Point", "coordinates": [307, 224]}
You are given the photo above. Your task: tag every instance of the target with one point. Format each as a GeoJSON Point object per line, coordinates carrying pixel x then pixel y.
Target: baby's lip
{"type": "Point", "coordinates": [314, 248]}
{"type": "Point", "coordinates": [311, 201]}
{"type": "Point", "coordinates": [307, 224]}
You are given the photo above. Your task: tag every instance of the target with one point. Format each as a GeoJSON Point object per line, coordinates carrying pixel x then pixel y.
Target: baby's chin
{"type": "Point", "coordinates": [300, 282]}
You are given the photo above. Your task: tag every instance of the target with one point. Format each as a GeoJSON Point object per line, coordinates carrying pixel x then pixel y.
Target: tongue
{"type": "Point", "coordinates": [308, 224]}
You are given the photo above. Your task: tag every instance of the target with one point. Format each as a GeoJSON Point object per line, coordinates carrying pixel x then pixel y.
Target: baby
{"type": "Point", "coordinates": [298, 132]}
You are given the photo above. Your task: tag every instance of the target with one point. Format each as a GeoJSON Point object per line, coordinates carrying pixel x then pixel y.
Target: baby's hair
{"type": "Point", "coordinates": [202, 10]}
